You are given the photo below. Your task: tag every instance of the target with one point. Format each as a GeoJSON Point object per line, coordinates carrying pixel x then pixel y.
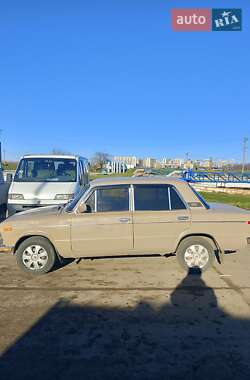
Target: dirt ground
{"type": "Point", "coordinates": [136, 318]}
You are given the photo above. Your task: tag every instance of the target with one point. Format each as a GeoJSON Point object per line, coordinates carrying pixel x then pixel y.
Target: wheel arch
{"type": "Point", "coordinates": [25, 237]}
{"type": "Point", "coordinates": [218, 250]}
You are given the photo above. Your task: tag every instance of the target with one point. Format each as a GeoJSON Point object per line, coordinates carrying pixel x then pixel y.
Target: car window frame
{"type": "Point", "coordinates": [90, 191]}
{"type": "Point", "coordinates": [181, 198]}
{"type": "Point", "coordinates": [169, 197]}
{"type": "Point", "coordinates": [94, 191]}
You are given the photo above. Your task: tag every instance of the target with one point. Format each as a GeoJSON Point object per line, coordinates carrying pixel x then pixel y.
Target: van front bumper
{"type": "Point", "coordinates": [18, 207]}
{"type": "Point", "coordinates": [14, 207]}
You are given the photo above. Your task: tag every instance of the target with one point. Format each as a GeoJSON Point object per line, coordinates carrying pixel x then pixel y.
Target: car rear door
{"type": "Point", "coordinates": [160, 216]}
{"type": "Point", "coordinates": [107, 227]}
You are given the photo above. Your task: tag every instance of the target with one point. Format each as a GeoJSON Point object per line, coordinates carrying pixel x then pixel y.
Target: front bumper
{"type": "Point", "coordinates": [6, 249]}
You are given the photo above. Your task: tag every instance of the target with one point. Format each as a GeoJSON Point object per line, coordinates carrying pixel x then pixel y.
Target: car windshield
{"type": "Point", "coordinates": [46, 170]}
{"type": "Point", "coordinates": [71, 205]}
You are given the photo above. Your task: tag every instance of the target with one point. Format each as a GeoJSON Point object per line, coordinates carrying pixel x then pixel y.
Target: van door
{"type": "Point", "coordinates": [84, 169]}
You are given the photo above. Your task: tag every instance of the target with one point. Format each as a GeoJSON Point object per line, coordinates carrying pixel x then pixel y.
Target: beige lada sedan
{"type": "Point", "coordinates": [127, 216]}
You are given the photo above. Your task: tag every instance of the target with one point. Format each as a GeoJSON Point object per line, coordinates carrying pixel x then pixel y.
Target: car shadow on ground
{"type": "Point", "coordinates": [63, 262]}
{"type": "Point", "coordinates": [189, 337]}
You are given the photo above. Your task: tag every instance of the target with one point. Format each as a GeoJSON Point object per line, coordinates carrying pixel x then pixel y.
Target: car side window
{"type": "Point", "coordinates": [112, 198]}
{"type": "Point", "coordinates": [176, 202]}
{"type": "Point", "coordinates": [151, 197]}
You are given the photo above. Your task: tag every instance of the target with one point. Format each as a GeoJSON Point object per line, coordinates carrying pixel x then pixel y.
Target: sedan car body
{"type": "Point", "coordinates": [123, 216]}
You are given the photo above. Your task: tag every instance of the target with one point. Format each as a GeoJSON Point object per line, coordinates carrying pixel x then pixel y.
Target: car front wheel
{"type": "Point", "coordinates": [196, 252]}
{"type": "Point", "coordinates": [36, 255]}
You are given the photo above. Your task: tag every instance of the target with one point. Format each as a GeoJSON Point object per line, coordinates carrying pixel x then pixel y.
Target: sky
{"type": "Point", "coordinates": [110, 75]}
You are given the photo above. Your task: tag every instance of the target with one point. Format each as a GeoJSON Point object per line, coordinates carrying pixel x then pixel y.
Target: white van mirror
{"type": "Point", "coordinates": [9, 177]}
{"type": "Point", "coordinates": [82, 208]}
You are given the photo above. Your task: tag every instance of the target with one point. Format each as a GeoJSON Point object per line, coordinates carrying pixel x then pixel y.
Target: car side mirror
{"type": "Point", "coordinates": [9, 177]}
{"type": "Point", "coordinates": [82, 208]}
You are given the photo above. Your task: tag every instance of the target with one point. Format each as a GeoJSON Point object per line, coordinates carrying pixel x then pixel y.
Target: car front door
{"type": "Point", "coordinates": [160, 216]}
{"type": "Point", "coordinates": [106, 229]}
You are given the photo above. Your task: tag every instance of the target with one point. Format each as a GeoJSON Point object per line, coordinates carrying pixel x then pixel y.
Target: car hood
{"type": "Point", "coordinates": [36, 212]}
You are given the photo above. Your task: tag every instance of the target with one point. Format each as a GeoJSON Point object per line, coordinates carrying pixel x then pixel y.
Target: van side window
{"type": "Point", "coordinates": [176, 201]}
{"type": "Point", "coordinates": [151, 197]}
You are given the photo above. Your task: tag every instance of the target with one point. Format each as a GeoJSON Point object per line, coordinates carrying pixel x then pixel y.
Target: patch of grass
{"type": "Point", "coordinates": [9, 165]}
{"type": "Point", "coordinates": [128, 173]}
{"type": "Point", "coordinates": [238, 200]}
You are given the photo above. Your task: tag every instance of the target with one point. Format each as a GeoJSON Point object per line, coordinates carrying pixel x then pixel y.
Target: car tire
{"type": "Point", "coordinates": [36, 255]}
{"type": "Point", "coordinates": [196, 253]}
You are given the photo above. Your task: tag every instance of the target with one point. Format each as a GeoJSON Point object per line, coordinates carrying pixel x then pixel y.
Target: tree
{"type": "Point", "coordinates": [99, 160]}
{"type": "Point", "coordinates": [59, 151]}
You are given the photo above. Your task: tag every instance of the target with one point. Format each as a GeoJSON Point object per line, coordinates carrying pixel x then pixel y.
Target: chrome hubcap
{"type": "Point", "coordinates": [35, 257]}
{"type": "Point", "coordinates": [196, 256]}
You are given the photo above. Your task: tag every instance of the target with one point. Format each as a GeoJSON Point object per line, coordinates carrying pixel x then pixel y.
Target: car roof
{"type": "Point", "coordinates": [71, 156]}
{"type": "Point", "coordinates": [136, 180]}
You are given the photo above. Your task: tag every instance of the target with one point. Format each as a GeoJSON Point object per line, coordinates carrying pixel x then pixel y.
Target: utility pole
{"type": "Point", "coordinates": [210, 163]}
{"type": "Point", "coordinates": [244, 155]}
{"type": "Point", "coordinates": [0, 149]}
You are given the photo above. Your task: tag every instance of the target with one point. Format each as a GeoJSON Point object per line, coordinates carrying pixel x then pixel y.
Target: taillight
{"type": "Point", "coordinates": [248, 222]}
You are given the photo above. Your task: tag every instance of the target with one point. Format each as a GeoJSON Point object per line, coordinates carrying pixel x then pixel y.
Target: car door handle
{"type": "Point", "coordinates": [124, 220]}
{"type": "Point", "coordinates": [183, 217]}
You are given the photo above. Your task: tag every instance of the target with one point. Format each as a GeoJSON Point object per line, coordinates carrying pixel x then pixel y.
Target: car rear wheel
{"type": "Point", "coordinates": [196, 252]}
{"type": "Point", "coordinates": [36, 255]}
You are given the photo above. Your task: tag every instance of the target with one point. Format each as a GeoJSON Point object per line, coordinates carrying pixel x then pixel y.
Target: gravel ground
{"type": "Point", "coordinates": [136, 318]}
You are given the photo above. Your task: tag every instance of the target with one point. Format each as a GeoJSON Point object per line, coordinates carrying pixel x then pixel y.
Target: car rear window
{"type": "Point", "coordinates": [176, 201]}
{"type": "Point", "coordinates": [151, 197]}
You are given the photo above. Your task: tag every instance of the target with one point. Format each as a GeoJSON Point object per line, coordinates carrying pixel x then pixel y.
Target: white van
{"type": "Point", "coordinates": [44, 180]}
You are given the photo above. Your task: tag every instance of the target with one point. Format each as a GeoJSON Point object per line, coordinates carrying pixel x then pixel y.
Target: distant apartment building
{"type": "Point", "coordinates": [209, 163]}
{"type": "Point", "coordinates": [206, 163]}
{"type": "Point", "coordinates": [172, 162]}
{"type": "Point", "coordinates": [116, 167]}
{"type": "Point", "coordinates": [188, 164]}
{"type": "Point", "coordinates": [165, 162]}
{"type": "Point", "coordinates": [221, 164]}
{"type": "Point", "coordinates": [149, 162]}
{"type": "Point", "coordinates": [130, 161]}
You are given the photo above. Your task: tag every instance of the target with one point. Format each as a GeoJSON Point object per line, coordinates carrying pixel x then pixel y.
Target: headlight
{"type": "Point", "coordinates": [63, 197]}
{"type": "Point", "coordinates": [16, 196]}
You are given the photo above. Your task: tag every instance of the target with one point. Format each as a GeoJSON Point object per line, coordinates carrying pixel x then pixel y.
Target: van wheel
{"type": "Point", "coordinates": [195, 252]}
{"type": "Point", "coordinates": [36, 255]}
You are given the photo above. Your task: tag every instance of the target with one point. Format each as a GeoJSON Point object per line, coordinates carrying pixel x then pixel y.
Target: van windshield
{"type": "Point", "coordinates": [46, 170]}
